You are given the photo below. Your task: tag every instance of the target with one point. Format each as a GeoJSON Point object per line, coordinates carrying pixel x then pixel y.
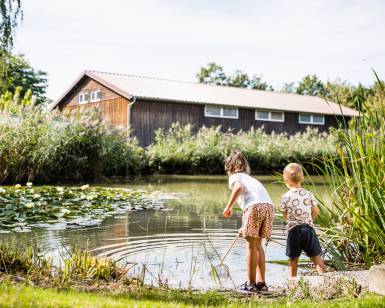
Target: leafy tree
{"type": "Point", "coordinates": [214, 74]}
{"type": "Point", "coordinates": [311, 85]}
{"type": "Point", "coordinates": [289, 87]}
{"type": "Point", "coordinates": [21, 76]}
{"type": "Point", "coordinates": [10, 15]}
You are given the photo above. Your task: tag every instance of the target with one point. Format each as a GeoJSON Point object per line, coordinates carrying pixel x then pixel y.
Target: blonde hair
{"type": "Point", "coordinates": [295, 171]}
{"type": "Point", "coordinates": [237, 162]}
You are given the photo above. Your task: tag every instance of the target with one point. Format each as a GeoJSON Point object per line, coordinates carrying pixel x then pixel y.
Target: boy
{"type": "Point", "coordinates": [299, 207]}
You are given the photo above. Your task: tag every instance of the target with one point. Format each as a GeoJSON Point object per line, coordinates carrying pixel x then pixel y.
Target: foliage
{"type": "Point", "coordinates": [23, 206]}
{"type": "Point", "coordinates": [10, 14]}
{"type": "Point", "coordinates": [26, 261]}
{"type": "Point", "coordinates": [12, 103]}
{"type": "Point", "coordinates": [213, 74]}
{"type": "Point", "coordinates": [354, 224]}
{"type": "Point", "coordinates": [81, 265]}
{"type": "Point", "coordinates": [37, 146]}
{"type": "Point", "coordinates": [179, 150]}
{"type": "Point", "coordinates": [21, 77]}
{"type": "Point", "coordinates": [311, 85]}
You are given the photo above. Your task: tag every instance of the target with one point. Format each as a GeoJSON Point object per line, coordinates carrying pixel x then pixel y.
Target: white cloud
{"type": "Point", "coordinates": [283, 40]}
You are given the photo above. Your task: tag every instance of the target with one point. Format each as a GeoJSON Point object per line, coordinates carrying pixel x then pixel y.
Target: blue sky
{"type": "Point", "coordinates": [280, 40]}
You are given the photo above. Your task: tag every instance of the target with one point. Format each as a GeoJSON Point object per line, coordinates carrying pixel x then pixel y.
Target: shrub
{"type": "Point", "coordinates": [36, 146]}
{"type": "Point", "coordinates": [179, 150]}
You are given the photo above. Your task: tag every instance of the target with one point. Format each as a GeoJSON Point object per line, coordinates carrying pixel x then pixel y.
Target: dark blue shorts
{"type": "Point", "coordinates": [302, 238]}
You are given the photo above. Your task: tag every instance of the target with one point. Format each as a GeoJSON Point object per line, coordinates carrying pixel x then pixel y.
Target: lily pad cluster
{"type": "Point", "coordinates": [22, 207]}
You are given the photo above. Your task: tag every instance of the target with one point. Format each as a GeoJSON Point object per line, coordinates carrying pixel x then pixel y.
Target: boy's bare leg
{"type": "Point", "coordinates": [251, 259]}
{"type": "Point", "coordinates": [319, 264]}
{"type": "Point", "coordinates": [293, 265]}
{"type": "Point", "coordinates": [261, 265]}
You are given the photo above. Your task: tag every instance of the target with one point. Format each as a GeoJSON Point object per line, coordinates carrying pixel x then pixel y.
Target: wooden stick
{"type": "Point", "coordinates": [231, 246]}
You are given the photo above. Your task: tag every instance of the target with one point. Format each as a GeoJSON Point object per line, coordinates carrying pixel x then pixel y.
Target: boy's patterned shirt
{"type": "Point", "coordinates": [298, 204]}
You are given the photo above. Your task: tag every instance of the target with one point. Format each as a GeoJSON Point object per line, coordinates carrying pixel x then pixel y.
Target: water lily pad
{"type": "Point", "coordinates": [61, 207]}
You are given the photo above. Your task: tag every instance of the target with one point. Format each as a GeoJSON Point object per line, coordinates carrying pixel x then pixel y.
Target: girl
{"type": "Point", "coordinates": [257, 219]}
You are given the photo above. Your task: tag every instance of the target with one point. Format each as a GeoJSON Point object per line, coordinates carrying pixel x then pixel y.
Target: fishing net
{"type": "Point", "coordinates": [222, 270]}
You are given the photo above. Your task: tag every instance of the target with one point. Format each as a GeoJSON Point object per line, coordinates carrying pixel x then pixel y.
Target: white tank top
{"type": "Point", "coordinates": [253, 190]}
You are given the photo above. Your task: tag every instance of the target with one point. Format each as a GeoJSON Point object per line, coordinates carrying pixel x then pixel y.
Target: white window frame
{"type": "Point", "coordinates": [311, 119]}
{"type": "Point", "coordinates": [83, 101]}
{"type": "Point", "coordinates": [221, 112]}
{"type": "Point", "coordinates": [97, 99]}
{"type": "Point", "coordinates": [269, 112]}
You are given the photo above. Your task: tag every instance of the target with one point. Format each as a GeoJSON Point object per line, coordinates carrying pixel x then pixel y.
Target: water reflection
{"type": "Point", "coordinates": [177, 247]}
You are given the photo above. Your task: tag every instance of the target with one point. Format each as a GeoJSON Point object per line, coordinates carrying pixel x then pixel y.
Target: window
{"type": "Point", "coordinates": [84, 98]}
{"type": "Point", "coordinates": [316, 119]}
{"type": "Point", "coordinates": [264, 115]}
{"type": "Point", "coordinates": [221, 112]}
{"type": "Point", "coordinates": [95, 96]}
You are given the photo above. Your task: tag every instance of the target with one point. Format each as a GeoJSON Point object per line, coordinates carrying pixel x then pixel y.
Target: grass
{"type": "Point", "coordinates": [180, 150]}
{"type": "Point", "coordinates": [354, 223]}
{"type": "Point", "coordinates": [26, 296]}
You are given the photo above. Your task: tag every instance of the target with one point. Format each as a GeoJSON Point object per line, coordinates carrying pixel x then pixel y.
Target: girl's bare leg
{"type": "Point", "coordinates": [319, 264]}
{"type": "Point", "coordinates": [293, 265]}
{"type": "Point", "coordinates": [261, 265]}
{"type": "Point", "coordinates": [251, 259]}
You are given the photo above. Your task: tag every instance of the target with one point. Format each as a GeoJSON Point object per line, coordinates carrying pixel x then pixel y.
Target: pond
{"type": "Point", "coordinates": [177, 246]}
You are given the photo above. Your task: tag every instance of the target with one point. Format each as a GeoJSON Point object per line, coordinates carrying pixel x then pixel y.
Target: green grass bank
{"type": "Point", "coordinates": [25, 296]}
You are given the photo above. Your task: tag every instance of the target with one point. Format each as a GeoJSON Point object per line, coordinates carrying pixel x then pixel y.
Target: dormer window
{"type": "Point", "coordinates": [95, 96]}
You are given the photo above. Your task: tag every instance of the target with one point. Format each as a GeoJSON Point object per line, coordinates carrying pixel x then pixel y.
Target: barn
{"type": "Point", "coordinates": [146, 104]}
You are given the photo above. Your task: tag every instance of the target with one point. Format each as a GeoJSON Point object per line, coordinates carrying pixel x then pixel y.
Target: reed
{"type": "Point", "coordinates": [353, 224]}
{"type": "Point", "coordinates": [82, 266]}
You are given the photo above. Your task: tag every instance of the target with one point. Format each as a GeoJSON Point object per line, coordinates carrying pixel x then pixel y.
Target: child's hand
{"type": "Point", "coordinates": [227, 212]}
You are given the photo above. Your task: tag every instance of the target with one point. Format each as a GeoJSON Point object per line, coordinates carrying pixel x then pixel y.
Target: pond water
{"type": "Point", "coordinates": [177, 246]}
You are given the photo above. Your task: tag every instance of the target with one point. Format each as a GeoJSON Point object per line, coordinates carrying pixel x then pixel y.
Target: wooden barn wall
{"type": "Point", "coordinates": [114, 111]}
{"type": "Point", "coordinates": [88, 85]}
{"type": "Point", "coordinates": [148, 116]}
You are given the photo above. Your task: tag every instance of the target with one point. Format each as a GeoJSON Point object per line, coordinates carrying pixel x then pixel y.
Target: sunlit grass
{"type": "Point", "coordinates": [354, 222]}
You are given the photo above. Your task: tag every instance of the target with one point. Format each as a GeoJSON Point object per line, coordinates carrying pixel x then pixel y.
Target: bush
{"type": "Point", "coordinates": [179, 150]}
{"type": "Point", "coordinates": [35, 146]}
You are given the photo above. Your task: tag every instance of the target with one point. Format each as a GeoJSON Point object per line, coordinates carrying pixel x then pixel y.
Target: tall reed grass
{"type": "Point", "coordinates": [354, 223]}
{"type": "Point", "coordinates": [180, 150]}
{"type": "Point", "coordinates": [41, 147]}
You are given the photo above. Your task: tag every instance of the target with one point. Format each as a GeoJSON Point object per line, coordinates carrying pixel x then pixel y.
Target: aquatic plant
{"type": "Point", "coordinates": [24, 261]}
{"type": "Point", "coordinates": [24, 206]}
{"type": "Point", "coordinates": [82, 266]}
{"type": "Point", "coordinates": [354, 223]}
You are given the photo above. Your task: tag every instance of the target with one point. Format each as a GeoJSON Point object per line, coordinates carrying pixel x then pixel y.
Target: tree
{"type": "Point", "coordinates": [214, 74]}
{"type": "Point", "coordinates": [311, 85]}
{"type": "Point", "coordinates": [21, 76]}
{"type": "Point", "coordinates": [10, 15]}
{"type": "Point", "coordinates": [289, 87]}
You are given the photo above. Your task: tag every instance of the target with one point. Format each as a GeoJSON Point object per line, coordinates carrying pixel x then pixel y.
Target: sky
{"type": "Point", "coordinates": [280, 40]}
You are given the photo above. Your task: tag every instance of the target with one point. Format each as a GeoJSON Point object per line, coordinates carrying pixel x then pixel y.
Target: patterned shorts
{"type": "Point", "coordinates": [257, 220]}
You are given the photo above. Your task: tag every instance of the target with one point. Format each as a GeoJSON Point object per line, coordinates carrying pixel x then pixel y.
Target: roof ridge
{"type": "Point", "coordinates": [204, 84]}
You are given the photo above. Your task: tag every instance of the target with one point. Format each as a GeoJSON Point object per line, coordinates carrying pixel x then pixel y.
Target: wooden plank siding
{"type": "Point", "coordinates": [114, 111]}
{"type": "Point", "coordinates": [148, 116]}
{"type": "Point", "coordinates": [88, 85]}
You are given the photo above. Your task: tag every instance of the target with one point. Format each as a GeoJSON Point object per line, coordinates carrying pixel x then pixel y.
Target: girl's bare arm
{"type": "Point", "coordinates": [235, 193]}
